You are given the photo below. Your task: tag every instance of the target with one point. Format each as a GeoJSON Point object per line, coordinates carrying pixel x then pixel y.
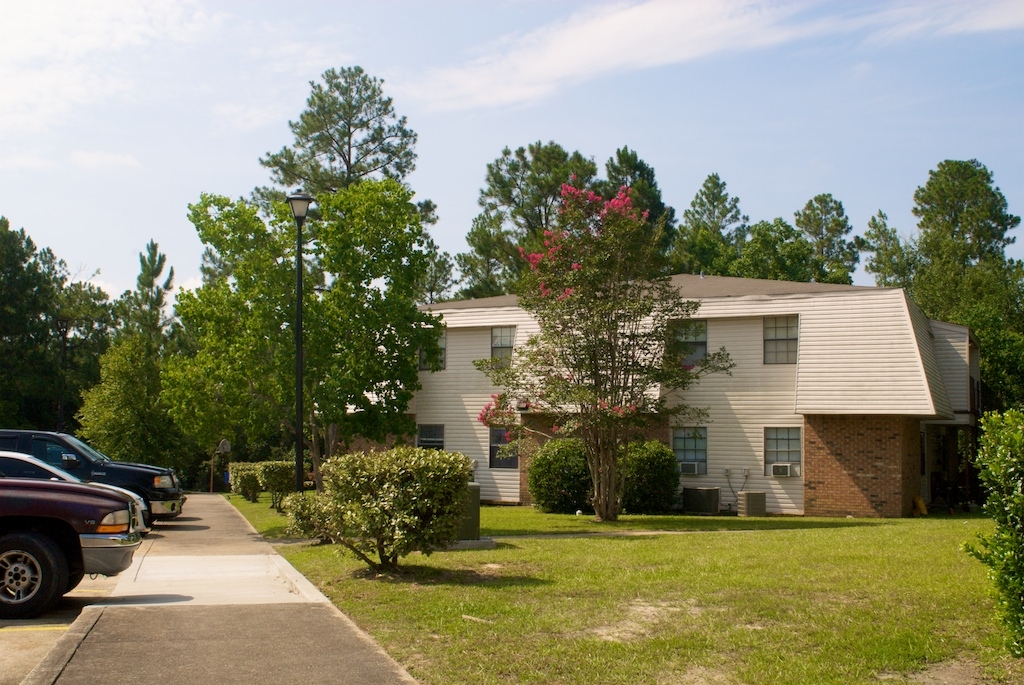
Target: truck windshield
{"type": "Point", "coordinates": [95, 454]}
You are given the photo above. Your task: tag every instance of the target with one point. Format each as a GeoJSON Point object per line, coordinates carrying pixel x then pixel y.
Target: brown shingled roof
{"type": "Point", "coordinates": [692, 286]}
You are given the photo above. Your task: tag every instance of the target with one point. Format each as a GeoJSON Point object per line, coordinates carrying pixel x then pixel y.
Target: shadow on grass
{"type": "Point", "coordinates": [415, 574]}
{"type": "Point", "coordinates": [277, 534]}
{"type": "Point", "coordinates": [628, 525]}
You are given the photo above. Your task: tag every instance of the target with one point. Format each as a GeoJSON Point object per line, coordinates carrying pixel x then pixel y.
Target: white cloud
{"type": "Point", "coordinates": [56, 56]}
{"type": "Point", "coordinates": [611, 38]}
{"type": "Point", "coordinates": [98, 159]}
{"type": "Point", "coordinates": [25, 162]}
{"type": "Point", "coordinates": [630, 36]}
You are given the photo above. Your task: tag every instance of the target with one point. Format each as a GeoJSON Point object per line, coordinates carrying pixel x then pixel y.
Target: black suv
{"type": "Point", "coordinates": [158, 486]}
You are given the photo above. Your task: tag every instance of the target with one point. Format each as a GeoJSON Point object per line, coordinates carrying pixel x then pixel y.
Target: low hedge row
{"type": "Point", "coordinates": [560, 480]}
{"type": "Point", "coordinates": [249, 479]}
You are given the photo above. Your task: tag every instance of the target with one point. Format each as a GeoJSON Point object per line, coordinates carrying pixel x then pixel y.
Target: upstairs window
{"type": "Point", "coordinates": [502, 338]}
{"type": "Point", "coordinates": [694, 336]}
{"type": "Point", "coordinates": [430, 436]}
{"type": "Point", "coordinates": [691, 449]}
{"type": "Point", "coordinates": [442, 342]}
{"type": "Point", "coordinates": [501, 457]}
{"type": "Point", "coordinates": [781, 335]}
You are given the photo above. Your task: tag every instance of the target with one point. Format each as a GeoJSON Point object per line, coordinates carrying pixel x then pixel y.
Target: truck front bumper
{"type": "Point", "coordinates": [167, 508]}
{"type": "Point", "coordinates": [108, 554]}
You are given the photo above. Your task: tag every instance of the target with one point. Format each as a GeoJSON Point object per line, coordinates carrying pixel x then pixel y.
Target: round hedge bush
{"type": "Point", "coordinates": [651, 478]}
{"type": "Point", "coordinates": [560, 479]}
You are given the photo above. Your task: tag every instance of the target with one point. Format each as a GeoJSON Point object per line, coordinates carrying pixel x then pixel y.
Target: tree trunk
{"type": "Point", "coordinates": [604, 473]}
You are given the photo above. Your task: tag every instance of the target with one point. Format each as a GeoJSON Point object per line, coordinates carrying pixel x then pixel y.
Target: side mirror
{"type": "Point", "coordinates": [69, 461]}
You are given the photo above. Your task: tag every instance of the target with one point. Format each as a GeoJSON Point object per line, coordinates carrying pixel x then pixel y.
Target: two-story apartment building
{"type": "Point", "coordinates": [844, 400]}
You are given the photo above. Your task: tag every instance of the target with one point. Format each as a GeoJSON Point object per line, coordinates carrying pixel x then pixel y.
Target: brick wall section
{"type": "Point", "coordinates": [860, 465]}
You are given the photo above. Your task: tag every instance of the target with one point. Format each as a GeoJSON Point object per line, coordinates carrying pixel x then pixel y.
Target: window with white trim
{"type": "Point", "coordinates": [502, 457]}
{"type": "Point", "coordinates": [782, 446]}
{"type": "Point", "coordinates": [442, 342]}
{"type": "Point", "coordinates": [502, 339]}
{"type": "Point", "coordinates": [694, 337]}
{"type": "Point", "coordinates": [781, 336]}
{"type": "Point", "coordinates": [691, 449]}
{"type": "Point", "coordinates": [430, 436]}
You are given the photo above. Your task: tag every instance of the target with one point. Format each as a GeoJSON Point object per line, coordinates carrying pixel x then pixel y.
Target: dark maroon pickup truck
{"type": "Point", "coordinates": [53, 533]}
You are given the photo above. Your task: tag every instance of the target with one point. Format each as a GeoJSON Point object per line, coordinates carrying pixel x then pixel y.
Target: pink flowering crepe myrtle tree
{"type": "Point", "coordinates": [610, 337]}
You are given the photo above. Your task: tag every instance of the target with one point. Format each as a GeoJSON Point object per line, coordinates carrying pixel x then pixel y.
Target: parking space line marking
{"type": "Point", "coordinates": [26, 629]}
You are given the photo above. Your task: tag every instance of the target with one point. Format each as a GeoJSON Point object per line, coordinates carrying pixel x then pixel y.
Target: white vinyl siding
{"type": "Point", "coordinates": [860, 354]}
{"type": "Point", "coordinates": [456, 396]}
{"type": "Point", "coordinates": [740, 406]}
{"type": "Point", "coordinates": [952, 354]}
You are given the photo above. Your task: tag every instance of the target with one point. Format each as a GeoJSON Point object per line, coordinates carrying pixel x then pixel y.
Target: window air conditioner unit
{"type": "Point", "coordinates": [688, 468]}
{"type": "Point", "coordinates": [782, 470]}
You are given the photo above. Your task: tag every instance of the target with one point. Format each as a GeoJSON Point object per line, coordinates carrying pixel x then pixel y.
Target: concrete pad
{"type": "Point", "coordinates": [240, 579]}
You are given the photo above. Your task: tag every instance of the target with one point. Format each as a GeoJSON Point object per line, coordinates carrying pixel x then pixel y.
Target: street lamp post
{"type": "Point", "coordinates": [299, 202]}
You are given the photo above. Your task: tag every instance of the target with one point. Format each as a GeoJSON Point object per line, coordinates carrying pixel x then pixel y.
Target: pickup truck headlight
{"type": "Point", "coordinates": [114, 522]}
{"type": "Point", "coordinates": [163, 482]}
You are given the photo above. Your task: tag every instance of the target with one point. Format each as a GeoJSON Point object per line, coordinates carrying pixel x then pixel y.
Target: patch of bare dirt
{"type": "Point", "coordinates": [700, 675]}
{"type": "Point", "coordinates": [945, 673]}
{"type": "Point", "coordinates": [640, 617]}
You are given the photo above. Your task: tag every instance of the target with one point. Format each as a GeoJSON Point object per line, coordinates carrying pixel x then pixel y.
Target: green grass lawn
{"type": "Point", "coordinates": [772, 600]}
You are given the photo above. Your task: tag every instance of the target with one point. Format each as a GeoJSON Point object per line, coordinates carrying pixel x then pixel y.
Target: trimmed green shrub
{"type": "Point", "coordinates": [386, 505]}
{"type": "Point", "coordinates": [650, 478]}
{"type": "Point", "coordinates": [1001, 464]}
{"type": "Point", "coordinates": [245, 480]}
{"type": "Point", "coordinates": [559, 477]}
{"type": "Point", "coordinates": [277, 478]}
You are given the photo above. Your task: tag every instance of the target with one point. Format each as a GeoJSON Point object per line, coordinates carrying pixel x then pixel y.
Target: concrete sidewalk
{"type": "Point", "coordinates": [207, 600]}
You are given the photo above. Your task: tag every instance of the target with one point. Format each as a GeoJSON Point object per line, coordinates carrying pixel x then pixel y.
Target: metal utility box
{"type": "Point", "coordinates": [701, 500]}
{"type": "Point", "coordinates": [751, 504]}
{"type": "Point", "coordinates": [470, 529]}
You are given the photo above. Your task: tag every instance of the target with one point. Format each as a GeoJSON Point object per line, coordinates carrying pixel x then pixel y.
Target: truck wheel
{"type": "Point", "coordinates": [76, 572]}
{"type": "Point", "coordinates": [33, 574]}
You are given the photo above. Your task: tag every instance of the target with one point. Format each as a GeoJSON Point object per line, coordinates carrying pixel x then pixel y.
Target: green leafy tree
{"type": "Point", "coordinates": [485, 270]}
{"type": "Point", "coordinates": [27, 298]}
{"type": "Point", "coordinates": [776, 251]}
{"type": "Point", "coordinates": [825, 225]}
{"type": "Point", "coordinates": [142, 311]}
{"type": "Point", "coordinates": [1000, 462]}
{"type": "Point", "coordinates": [712, 233]}
{"type": "Point", "coordinates": [626, 169]}
{"type": "Point", "coordinates": [608, 323]}
{"type": "Point", "coordinates": [124, 415]}
{"type": "Point", "coordinates": [349, 131]}
{"type": "Point", "coordinates": [53, 328]}
{"type": "Point", "coordinates": [956, 268]}
{"type": "Point", "coordinates": [892, 260]}
{"type": "Point", "coordinates": [365, 263]}
{"type": "Point", "coordinates": [439, 280]}
{"type": "Point", "coordinates": [520, 202]}
{"type": "Point", "coordinates": [81, 324]}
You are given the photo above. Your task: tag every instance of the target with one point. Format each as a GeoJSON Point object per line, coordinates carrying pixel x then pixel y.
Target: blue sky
{"type": "Point", "coordinates": [115, 115]}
